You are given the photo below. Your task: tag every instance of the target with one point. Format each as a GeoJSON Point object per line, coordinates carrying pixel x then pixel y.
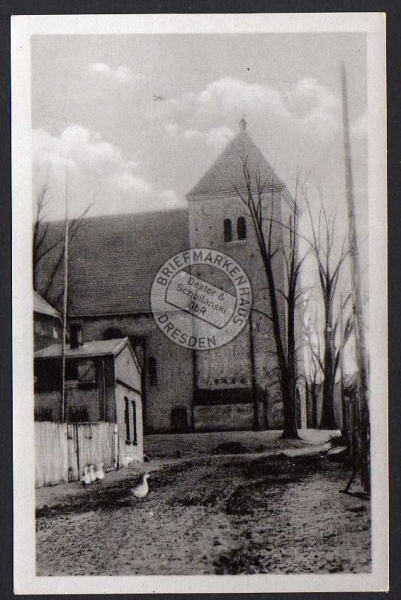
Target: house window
{"type": "Point", "coordinates": [134, 423]}
{"type": "Point", "coordinates": [83, 371]}
{"type": "Point", "coordinates": [152, 370]}
{"type": "Point", "coordinates": [43, 414]}
{"type": "Point", "coordinates": [241, 228]}
{"type": "Point", "coordinates": [228, 230]}
{"type": "Point", "coordinates": [127, 421]}
{"type": "Point", "coordinates": [78, 414]}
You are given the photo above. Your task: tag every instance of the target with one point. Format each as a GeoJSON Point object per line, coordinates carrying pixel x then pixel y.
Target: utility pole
{"type": "Point", "coordinates": [64, 408]}
{"type": "Point", "coordinates": [341, 350]}
{"type": "Point", "coordinates": [363, 433]}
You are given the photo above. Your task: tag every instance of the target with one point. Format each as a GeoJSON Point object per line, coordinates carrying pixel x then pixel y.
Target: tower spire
{"type": "Point", "coordinates": [243, 123]}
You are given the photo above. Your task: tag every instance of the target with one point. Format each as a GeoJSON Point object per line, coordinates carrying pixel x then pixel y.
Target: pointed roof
{"type": "Point", "coordinates": [226, 174]}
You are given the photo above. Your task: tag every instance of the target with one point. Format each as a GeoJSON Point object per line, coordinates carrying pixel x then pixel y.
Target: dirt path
{"type": "Point", "coordinates": [241, 514]}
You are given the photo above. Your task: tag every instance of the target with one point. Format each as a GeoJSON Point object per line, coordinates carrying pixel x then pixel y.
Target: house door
{"type": "Point", "coordinates": [179, 423]}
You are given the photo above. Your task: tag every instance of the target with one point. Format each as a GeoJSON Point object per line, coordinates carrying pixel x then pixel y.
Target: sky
{"type": "Point", "coordinates": [137, 120]}
{"type": "Point", "coordinates": [131, 123]}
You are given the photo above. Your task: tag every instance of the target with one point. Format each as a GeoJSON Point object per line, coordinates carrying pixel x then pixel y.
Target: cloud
{"type": "Point", "coordinates": [169, 199]}
{"type": "Point", "coordinates": [307, 107]}
{"type": "Point", "coordinates": [120, 75]}
{"type": "Point", "coordinates": [93, 164]}
{"type": "Point", "coordinates": [216, 137]}
{"type": "Point", "coordinates": [85, 150]}
{"type": "Point", "coordinates": [96, 170]}
{"type": "Point", "coordinates": [127, 182]}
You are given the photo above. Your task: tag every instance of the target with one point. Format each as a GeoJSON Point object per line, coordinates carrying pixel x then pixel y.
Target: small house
{"type": "Point", "coordinates": [47, 323]}
{"type": "Point", "coordinates": [102, 384]}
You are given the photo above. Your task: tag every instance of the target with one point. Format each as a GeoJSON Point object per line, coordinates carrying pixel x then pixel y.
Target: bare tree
{"type": "Point", "coordinates": [329, 263]}
{"type": "Point", "coordinates": [44, 243]}
{"type": "Point", "coordinates": [265, 223]}
{"type": "Point", "coordinates": [342, 331]}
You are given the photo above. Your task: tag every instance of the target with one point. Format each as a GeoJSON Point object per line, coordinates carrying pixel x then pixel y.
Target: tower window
{"type": "Point", "coordinates": [241, 228]}
{"type": "Point", "coordinates": [228, 230]}
{"type": "Point", "coordinates": [152, 370]}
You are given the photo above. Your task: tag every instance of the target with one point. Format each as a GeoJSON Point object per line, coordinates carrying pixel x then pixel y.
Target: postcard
{"type": "Point", "coordinates": [199, 303]}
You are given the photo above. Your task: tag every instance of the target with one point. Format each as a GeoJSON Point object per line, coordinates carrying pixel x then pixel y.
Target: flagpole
{"type": "Point", "coordinates": [360, 342]}
{"type": "Point", "coordinates": [64, 411]}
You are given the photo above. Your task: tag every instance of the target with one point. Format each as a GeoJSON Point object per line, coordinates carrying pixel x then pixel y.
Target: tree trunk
{"type": "Point", "coordinates": [290, 430]}
{"type": "Point", "coordinates": [314, 394]}
{"type": "Point", "coordinates": [328, 420]}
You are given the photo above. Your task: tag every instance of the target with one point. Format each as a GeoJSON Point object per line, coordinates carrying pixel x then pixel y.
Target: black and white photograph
{"type": "Point", "coordinates": [199, 299]}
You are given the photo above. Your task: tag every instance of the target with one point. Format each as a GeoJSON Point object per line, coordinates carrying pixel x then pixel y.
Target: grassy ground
{"type": "Point", "coordinates": [209, 514]}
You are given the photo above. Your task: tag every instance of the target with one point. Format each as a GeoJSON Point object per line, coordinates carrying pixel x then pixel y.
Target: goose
{"type": "Point", "coordinates": [86, 477]}
{"type": "Point", "coordinates": [126, 461]}
{"type": "Point", "coordinates": [141, 490]}
{"type": "Point", "coordinates": [92, 473]}
{"type": "Point", "coordinates": [99, 472]}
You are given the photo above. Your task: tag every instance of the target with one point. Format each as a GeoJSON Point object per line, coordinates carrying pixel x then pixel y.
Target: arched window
{"type": "Point", "coordinates": [228, 230]}
{"type": "Point", "coordinates": [241, 228]}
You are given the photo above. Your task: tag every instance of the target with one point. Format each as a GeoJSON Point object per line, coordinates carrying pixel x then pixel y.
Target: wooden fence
{"type": "Point", "coordinates": [62, 451]}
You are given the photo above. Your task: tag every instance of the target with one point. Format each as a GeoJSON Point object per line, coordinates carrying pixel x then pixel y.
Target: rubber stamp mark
{"type": "Point", "coordinates": [195, 313]}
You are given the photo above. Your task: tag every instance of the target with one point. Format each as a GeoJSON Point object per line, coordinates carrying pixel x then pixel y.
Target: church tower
{"type": "Point", "coordinates": [236, 385]}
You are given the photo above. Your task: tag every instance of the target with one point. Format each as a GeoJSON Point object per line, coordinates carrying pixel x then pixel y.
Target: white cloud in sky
{"type": "Point", "coordinates": [171, 128]}
{"type": "Point", "coordinates": [83, 149]}
{"type": "Point", "coordinates": [216, 137]}
{"type": "Point", "coordinates": [302, 107]}
{"type": "Point", "coordinates": [120, 75]}
{"type": "Point", "coordinates": [169, 199]}
{"type": "Point", "coordinates": [96, 169]}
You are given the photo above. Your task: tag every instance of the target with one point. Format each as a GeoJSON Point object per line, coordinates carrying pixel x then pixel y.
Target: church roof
{"type": "Point", "coordinates": [113, 260]}
{"type": "Point", "coordinates": [226, 174]}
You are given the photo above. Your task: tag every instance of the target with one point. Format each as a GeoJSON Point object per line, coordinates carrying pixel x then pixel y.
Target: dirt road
{"type": "Point", "coordinates": [212, 515]}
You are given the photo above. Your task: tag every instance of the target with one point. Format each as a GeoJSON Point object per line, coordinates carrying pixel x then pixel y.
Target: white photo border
{"type": "Point", "coordinates": [22, 28]}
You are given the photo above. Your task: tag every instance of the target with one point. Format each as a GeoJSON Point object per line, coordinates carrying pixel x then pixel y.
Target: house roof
{"type": "Point", "coordinates": [88, 349]}
{"type": "Point", "coordinates": [44, 308]}
{"type": "Point", "coordinates": [226, 174]}
{"type": "Point", "coordinates": [113, 260]}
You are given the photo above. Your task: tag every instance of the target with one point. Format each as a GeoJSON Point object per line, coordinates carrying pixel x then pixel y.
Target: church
{"type": "Point", "coordinates": [113, 261]}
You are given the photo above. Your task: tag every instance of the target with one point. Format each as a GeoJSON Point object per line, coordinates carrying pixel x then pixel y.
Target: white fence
{"type": "Point", "coordinates": [62, 451]}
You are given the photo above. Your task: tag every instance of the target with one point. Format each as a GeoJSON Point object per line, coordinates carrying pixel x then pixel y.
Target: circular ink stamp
{"type": "Point", "coordinates": [201, 298]}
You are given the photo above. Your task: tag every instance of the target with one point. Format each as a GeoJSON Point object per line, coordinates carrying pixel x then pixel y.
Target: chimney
{"type": "Point", "coordinates": [76, 338]}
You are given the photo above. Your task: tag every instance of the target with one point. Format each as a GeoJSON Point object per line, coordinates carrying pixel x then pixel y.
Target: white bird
{"type": "Point", "coordinates": [86, 477]}
{"type": "Point", "coordinates": [141, 490]}
{"type": "Point", "coordinates": [99, 472]}
{"type": "Point", "coordinates": [126, 461]}
{"type": "Point", "coordinates": [92, 473]}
